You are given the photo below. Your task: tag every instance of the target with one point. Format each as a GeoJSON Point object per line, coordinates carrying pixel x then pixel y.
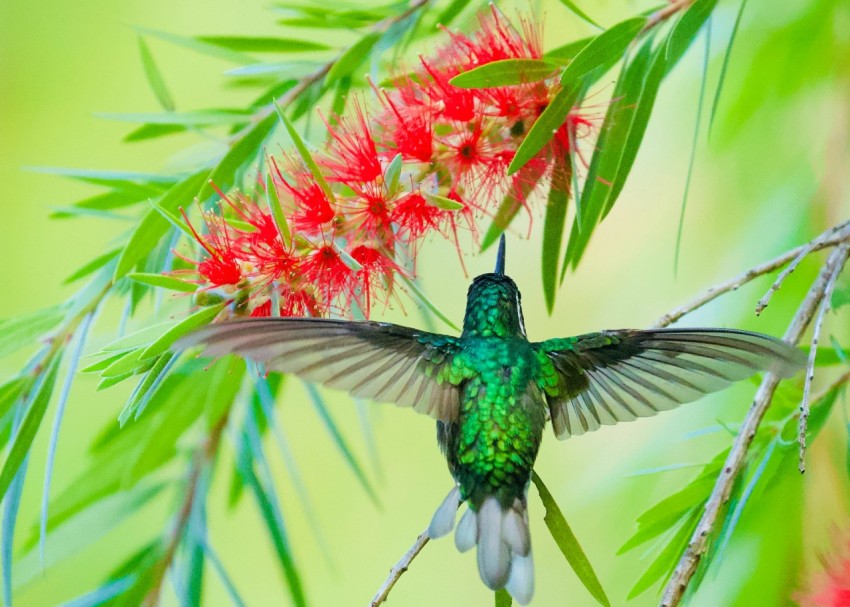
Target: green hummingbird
{"type": "Point", "coordinates": [492, 391]}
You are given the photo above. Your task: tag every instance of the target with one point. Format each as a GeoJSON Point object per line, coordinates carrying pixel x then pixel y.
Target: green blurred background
{"type": "Point", "coordinates": [770, 177]}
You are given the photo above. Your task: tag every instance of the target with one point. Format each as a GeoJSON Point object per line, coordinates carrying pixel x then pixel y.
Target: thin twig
{"type": "Point", "coordinates": [399, 568]}
{"type": "Point", "coordinates": [829, 238]}
{"type": "Point", "coordinates": [841, 253]}
{"type": "Point", "coordinates": [203, 456]}
{"type": "Point", "coordinates": [665, 13]}
{"type": "Point", "coordinates": [698, 543]}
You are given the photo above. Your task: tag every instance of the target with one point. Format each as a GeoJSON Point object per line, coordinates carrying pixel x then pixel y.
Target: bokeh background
{"type": "Point", "coordinates": [772, 175]}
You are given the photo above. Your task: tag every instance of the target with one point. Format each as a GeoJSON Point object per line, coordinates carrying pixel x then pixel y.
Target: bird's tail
{"type": "Point", "coordinates": [502, 537]}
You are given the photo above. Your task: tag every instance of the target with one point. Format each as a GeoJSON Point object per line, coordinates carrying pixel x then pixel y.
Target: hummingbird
{"type": "Point", "coordinates": [492, 391]}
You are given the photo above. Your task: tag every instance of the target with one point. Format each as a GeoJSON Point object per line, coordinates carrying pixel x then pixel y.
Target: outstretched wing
{"type": "Point", "coordinates": [613, 376]}
{"type": "Point", "coordinates": [381, 361]}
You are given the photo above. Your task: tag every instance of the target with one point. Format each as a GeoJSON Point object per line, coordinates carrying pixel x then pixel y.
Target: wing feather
{"type": "Point", "coordinates": [614, 376]}
{"type": "Point", "coordinates": [381, 361]}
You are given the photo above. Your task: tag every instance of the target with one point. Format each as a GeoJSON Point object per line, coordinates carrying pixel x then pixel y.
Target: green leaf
{"type": "Point", "coordinates": [697, 123]}
{"type": "Point", "coordinates": [523, 185]}
{"type": "Point", "coordinates": [393, 173]}
{"type": "Point", "coordinates": [130, 363]}
{"type": "Point", "coordinates": [567, 52]}
{"type": "Point", "coordinates": [618, 143]}
{"type": "Point", "coordinates": [503, 599]}
{"type": "Point", "coordinates": [263, 44]}
{"type": "Point", "coordinates": [186, 119]}
{"type": "Point", "coordinates": [568, 544]}
{"type": "Point", "coordinates": [553, 229]}
{"type": "Point", "coordinates": [725, 67]}
{"type": "Point", "coordinates": [663, 564]}
{"type": "Point", "coordinates": [163, 281]}
{"type": "Point", "coordinates": [579, 13]}
{"type": "Point", "coordinates": [95, 264]}
{"type": "Point", "coordinates": [272, 518]}
{"type": "Point", "coordinates": [352, 58]}
{"type": "Point", "coordinates": [155, 79]}
{"type": "Point", "coordinates": [147, 386]}
{"type": "Point", "coordinates": [196, 45]}
{"type": "Point", "coordinates": [15, 333]}
{"type": "Point", "coordinates": [449, 13]}
{"type": "Point", "coordinates": [305, 155]}
{"type": "Point", "coordinates": [22, 441]}
{"type": "Point", "coordinates": [243, 151]}
{"type": "Point", "coordinates": [153, 227]}
{"type": "Point", "coordinates": [10, 392]}
{"type": "Point", "coordinates": [273, 203]}
{"type": "Point", "coordinates": [110, 178]}
{"type": "Point", "coordinates": [686, 29]}
{"type": "Point", "coordinates": [840, 297]}
{"type": "Point", "coordinates": [200, 318]}
{"type": "Point", "coordinates": [152, 131]}
{"type": "Point", "coordinates": [505, 72]}
{"type": "Point", "coordinates": [543, 129]}
{"type": "Point", "coordinates": [339, 441]}
{"type": "Point", "coordinates": [603, 51]}
{"type": "Point", "coordinates": [441, 202]}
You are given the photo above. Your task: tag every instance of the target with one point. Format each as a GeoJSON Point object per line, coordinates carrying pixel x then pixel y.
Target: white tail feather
{"type": "Point", "coordinates": [466, 535]}
{"type": "Point", "coordinates": [443, 520]}
{"type": "Point", "coordinates": [504, 543]}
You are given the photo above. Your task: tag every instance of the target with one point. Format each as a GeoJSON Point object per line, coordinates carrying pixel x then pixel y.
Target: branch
{"type": "Point", "coordinates": [841, 254]}
{"type": "Point", "coordinates": [399, 568]}
{"type": "Point", "coordinates": [202, 457]}
{"type": "Point", "coordinates": [829, 238]}
{"type": "Point", "coordinates": [698, 543]}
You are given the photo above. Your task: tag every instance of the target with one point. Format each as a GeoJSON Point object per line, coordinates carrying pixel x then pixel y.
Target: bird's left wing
{"type": "Point", "coordinates": [604, 378]}
{"type": "Point", "coordinates": [381, 361]}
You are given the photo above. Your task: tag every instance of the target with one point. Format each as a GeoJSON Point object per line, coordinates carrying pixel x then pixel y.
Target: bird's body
{"type": "Point", "coordinates": [492, 392]}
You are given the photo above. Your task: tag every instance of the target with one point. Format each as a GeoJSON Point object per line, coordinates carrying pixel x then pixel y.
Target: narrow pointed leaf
{"type": "Point", "coordinates": [198, 319]}
{"type": "Point", "coordinates": [553, 229]}
{"type": "Point", "coordinates": [164, 282]}
{"type": "Point", "coordinates": [353, 57]}
{"type": "Point", "coordinates": [153, 226]}
{"type": "Point", "coordinates": [15, 333]}
{"type": "Point", "coordinates": [339, 441]}
{"type": "Point", "coordinates": [567, 542]}
{"type": "Point", "coordinates": [184, 119]}
{"type": "Point", "coordinates": [305, 155]}
{"type": "Point", "coordinates": [263, 44]}
{"type": "Point", "coordinates": [95, 264]}
{"type": "Point", "coordinates": [580, 13]}
{"type": "Point", "coordinates": [505, 72]}
{"type": "Point", "coordinates": [441, 202]}
{"type": "Point", "coordinates": [603, 51]}
{"type": "Point", "coordinates": [725, 67]}
{"type": "Point", "coordinates": [565, 53]}
{"type": "Point", "coordinates": [243, 152]}
{"type": "Point", "coordinates": [196, 45]}
{"type": "Point", "coordinates": [543, 129]}
{"type": "Point", "coordinates": [22, 441]}
{"type": "Point", "coordinates": [154, 76]}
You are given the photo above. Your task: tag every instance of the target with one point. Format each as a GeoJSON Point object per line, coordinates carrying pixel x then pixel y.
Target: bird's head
{"type": "Point", "coordinates": [493, 304]}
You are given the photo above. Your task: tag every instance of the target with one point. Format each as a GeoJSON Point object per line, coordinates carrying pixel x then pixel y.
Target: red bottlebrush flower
{"type": "Point", "coordinates": [369, 214]}
{"type": "Point", "coordinates": [324, 268]}
{"type": "Point", "coordinates": [354, 156]}
{"type": "Point", "coordinates": [313, 210]}
{"type": "Point", "coordinates": [450, 102]}
{"type": "Point", "coordinates": [222, 266]}
{"type": "Point", "coordinates": [832, 587]}
{"type": "Point", "coordinates": [376, 272]}
{"type": "Point", "coordinates": [415, 217]}
{"type": "Point", "coordinates": [407, 122]}
{"type": "Point", "coordinates": [495, 41]}
{"type": "Point", "coordinates": [291, 302]}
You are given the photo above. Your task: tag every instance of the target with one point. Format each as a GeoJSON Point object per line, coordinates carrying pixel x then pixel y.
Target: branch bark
{"type": "Point", "coordinates": [399, 568]}
{"type": "Point", "coordinates": [687, 566]}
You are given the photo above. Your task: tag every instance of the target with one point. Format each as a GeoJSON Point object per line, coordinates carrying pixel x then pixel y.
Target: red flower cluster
{"type": "Point", "coordinates": [831, 588]}
{"type": "Point", "coordinates": [433, 158]}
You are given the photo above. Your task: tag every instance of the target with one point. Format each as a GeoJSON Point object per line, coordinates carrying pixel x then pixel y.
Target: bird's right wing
{"type": "Point", "coordinates": [381, 361]}
{"type": "Point", "coordinates": [604, 378]}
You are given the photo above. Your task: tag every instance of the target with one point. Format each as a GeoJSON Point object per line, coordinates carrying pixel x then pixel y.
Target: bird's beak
{"type": "Point", "coordinates": [500, 258]}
